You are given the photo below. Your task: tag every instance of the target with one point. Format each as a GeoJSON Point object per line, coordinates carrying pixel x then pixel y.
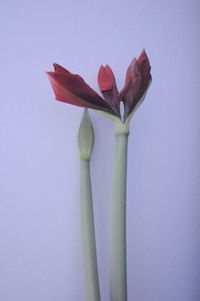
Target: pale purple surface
{"type": "Point", "coordinates": [40, 249]}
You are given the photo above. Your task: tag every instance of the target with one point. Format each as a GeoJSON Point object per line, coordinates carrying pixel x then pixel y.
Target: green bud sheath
{"type": "Point", "coordinates": [85, 141]}
{"type": "Point", "coordinates": [85, 136]}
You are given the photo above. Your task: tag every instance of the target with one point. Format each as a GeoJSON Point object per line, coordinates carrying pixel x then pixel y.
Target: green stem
{"type": "Point", "coordinates": [118, 270]}
{"type": "Point", "coordinates": [87, 221]}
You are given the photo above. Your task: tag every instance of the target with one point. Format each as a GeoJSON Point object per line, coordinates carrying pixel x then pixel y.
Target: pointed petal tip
{"type": "Point", "coordinates": [107, 66]}
{"type": "Point", "coordinates": [143, 56]}
{"type": "Point", "coordinates": [101, 67]}
{"type": "Point", "coordinates": [59, 68]}
{"type": "Point", "coordinates": [104, 79]}
{"type": "Point", "coordinates": [134, 68]}
{"type": "Point", "coordinates": [134, 61]}
{"type": "Point", "coordinates": [109, 70]}
{"type": "Point", "coordinates": [49, 73]}
{"type": "Point", "coordinates": [55, 65]}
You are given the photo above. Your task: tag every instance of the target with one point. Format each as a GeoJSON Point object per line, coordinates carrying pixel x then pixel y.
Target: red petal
{"type": "Point", "coordinates": [143, 57]}
{"type": "Point", "coordinates": [137, 81]}
{"type": "Point", "coordinates": [144, 64]}
{"type": "Point", "coordinates": [130, 93]}
{"type": "Point", "coordinates": [71, 88]}
{"type": "Point", "coordinates": [133, 72]}
{"type": "Point", "coordinates": [104, 80]}
{"type": "Point", "coordinates": [107, 85]}
{"type": "Point", "coordinates": [62, 94]}
{"type": "Point", "coordinates": [59, 68]}
{"type": "Point", "coordinates": [128, 79]}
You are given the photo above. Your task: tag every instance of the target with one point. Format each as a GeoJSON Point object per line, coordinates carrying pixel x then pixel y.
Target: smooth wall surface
{"type": "Point", "coordinates": [40, 240]}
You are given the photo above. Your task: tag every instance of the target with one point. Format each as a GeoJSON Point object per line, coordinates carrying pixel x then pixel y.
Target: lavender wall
{"type": "Point", "coordinates": [40, 248]}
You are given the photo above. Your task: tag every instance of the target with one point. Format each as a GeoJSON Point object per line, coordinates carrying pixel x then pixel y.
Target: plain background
{"type": "Point", "coordinates": [40, 240]}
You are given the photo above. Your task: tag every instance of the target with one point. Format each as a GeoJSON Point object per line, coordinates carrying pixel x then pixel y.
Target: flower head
{"type": "Point", "coordinates": [138, 79]}
{"type": "Point", "coordinates": [72, 89]}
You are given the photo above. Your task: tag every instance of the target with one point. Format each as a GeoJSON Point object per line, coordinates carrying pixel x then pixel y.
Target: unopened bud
{"type": "Point", "coordinates": [85, 136]}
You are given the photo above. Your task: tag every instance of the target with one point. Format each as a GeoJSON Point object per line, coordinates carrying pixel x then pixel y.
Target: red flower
{"type": "Point", "coordinates": [72, 89]}
{"type": "Point", "coordinates": [138, 79]}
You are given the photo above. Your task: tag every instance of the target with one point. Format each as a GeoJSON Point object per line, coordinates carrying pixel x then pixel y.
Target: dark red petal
{"type": "Point", "coordinates": [128, 79]}
{"type": "Point", "coordinates": [110, 75]}
{"type": "Point", "coordinates": [59, 68]}
{"type": "Point", "coordinates": [62, 94]}
{"type": "Point", "coordinates": [143, 57]}
{"type": "Point", "coordinates": [137, 81]}
{"type": "Point", "coordinates": [107, 85]}
{"type": "Point", "coordinates": [103, 79]}
{"type": "Point", "coordinates": [71, 88]}
{"type": "Point", "coordinates": [144, 64]}
{"type": "Point", "coordinates": [130, 95]}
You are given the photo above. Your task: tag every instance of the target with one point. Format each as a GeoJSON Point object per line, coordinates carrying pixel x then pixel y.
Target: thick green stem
{"type": "Point", "coordinates": [118, 270]}
{"type": "Point", "coordinates": [88, 232]}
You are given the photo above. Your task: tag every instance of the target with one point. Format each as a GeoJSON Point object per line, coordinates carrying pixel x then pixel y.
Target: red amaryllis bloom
{"type": "Point", "coordinates": [72, 89]}
{"type": "Point", "coordinates": [138, 79]}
